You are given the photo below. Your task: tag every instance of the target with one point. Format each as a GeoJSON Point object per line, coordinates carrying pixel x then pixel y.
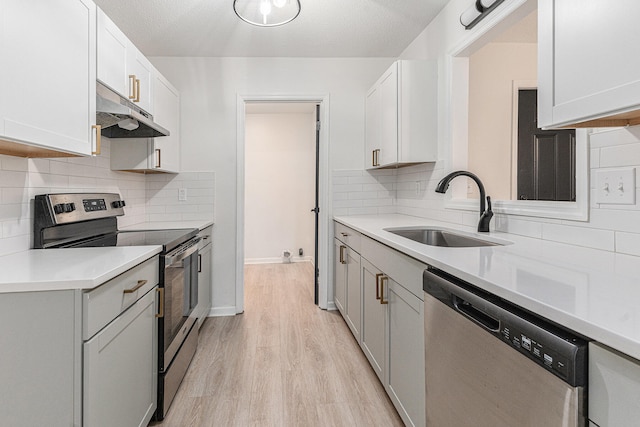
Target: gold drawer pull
{"type": "Point", "coordinates": [98, 129]}
{"type": "Point", "coordinates": [158, 157]}
{"type": "Point", "coordinates": [342, 260]}
{"type": "Point", "coordinates": [382, 281]}
{"type": "Point", "coordinates": [137, 91]}
{"type": "Point", "coordinates": [132, 86]}
{"type": "Point", "coordinates": [378, 276]}
{"type": "Point", "coordinates": [140, 284]}
{"type": "Point", "coordinates": [160, 291]}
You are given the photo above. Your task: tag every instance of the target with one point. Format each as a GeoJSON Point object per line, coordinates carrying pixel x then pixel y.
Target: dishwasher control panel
{"type": "Point", "coordinates": [535, 349]}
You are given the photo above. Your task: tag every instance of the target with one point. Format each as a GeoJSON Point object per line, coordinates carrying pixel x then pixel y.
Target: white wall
{"type": "Point", "coordinates": [279, 185]}
{"type": "Point", "coordinates": [492, 70]}
{"type": "Point", "coordinates": [614, 228]}
{"type": "Point", "coordinates": [209, 88]}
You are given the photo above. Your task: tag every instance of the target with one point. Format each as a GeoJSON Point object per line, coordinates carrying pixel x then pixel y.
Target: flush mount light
{"type": "Point", "coordinates": [267, 13]}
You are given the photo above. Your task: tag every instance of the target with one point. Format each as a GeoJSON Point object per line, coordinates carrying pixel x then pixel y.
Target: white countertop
{"type": "Point", "coordinates": [167, 225]}
{"type": "Point", "coordinates": [73, 268]}
{"type": "Point", "coordinates": [595, 293]}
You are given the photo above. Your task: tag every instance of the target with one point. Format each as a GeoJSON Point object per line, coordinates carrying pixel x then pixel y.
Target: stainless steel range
{"type": "Point", "coordinates": [75, 220]}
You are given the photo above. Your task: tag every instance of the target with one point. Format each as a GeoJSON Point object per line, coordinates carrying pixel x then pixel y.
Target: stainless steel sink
{"type": "Point", "coordinates": [439, 237]}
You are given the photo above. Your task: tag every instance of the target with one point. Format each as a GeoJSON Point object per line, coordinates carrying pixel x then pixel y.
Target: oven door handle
{"type": "Point", "coordinates": [183, 252]}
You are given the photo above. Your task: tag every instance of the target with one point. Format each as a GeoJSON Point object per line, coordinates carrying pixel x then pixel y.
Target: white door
{"type": "Point", "coordinates": [48, 91]}
{"type": "Point", "coordinates": [374, 318]}
{"type": "Point", "coordinates": [142, 70]}
{"type": "Point", "coordinates": [166, 112]}
{"type": "Point", "coordinates": [389, 116]}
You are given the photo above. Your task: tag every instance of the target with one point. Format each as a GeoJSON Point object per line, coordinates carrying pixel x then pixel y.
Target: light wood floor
{"type": "Point", "coordinates": [284, 362]}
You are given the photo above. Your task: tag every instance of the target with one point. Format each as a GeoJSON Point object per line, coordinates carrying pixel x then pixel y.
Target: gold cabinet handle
{"type": "Point", "coordinates": [344, 234]}
{"type": "Point", "coordinates": [378, 276]}
{"type": "Point", "coordinates": [137, 91]}
{"type": "Point", "coordinates": [98, 129]}
{"type": "Point", "coordinates": [158, 157]}
{"type": "Point", "coordinates": [132, 86]}
{"type": "Point", "coordinates": [376, 157]}
{"type": "Point", "coordinates": [342, 248]}
{"type": "Point", "coordinates": [140, 284]}
{"type": "Point", "coordinates": [382, 282]}
{"type": "Point", "coordinates": [160, 292]}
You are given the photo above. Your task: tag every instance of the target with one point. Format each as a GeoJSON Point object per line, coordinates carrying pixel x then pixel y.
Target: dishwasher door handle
{"type": "Point", "coordinates": [476, 315]}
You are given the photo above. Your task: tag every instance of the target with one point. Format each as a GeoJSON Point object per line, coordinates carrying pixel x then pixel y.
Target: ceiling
{"type": "Point", "coordinates": [324, 28]}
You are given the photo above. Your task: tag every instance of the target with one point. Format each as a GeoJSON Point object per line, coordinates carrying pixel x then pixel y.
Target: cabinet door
{"type": "Point", "coordinates": [389, 116]}
{"type": "Point", "coordinates": [354, 294]}
{"type": "Point", "coordinates": [141, 69]}
{"type": "Point", "coordinates": [340, 276]}
{"type": "Point", "coordinates": [373, 318]}
{"type": "Point", "coordinates": [204, 284]}
{"type": "Point", "coordinates": [49, 89]}
{"type": "Point", "coordinates": [405, 381]}
{"type": "Point", "coordinates": [614, 387]}
{"type": "Point", "coordinates": [372, 128]}
{"type": "Point", "coordinates": [112, 55]}
{"type": "Point", "coordinates": [586, 65]}
{"type": "Point", "coordinates": [166, 112]}
{"type": "Point", "coordinates": [121, 370]}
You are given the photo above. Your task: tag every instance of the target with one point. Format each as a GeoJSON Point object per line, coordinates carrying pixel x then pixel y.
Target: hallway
{"type": "Point", "coordinates": [284, 362]}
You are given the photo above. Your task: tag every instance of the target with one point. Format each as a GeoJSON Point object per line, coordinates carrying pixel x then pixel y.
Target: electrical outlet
{"type": "Point", "coordinates": [616, 186]}
{"type": "Point", "coordinates": [182, 194]}
{"type": "Point", "coordinates": [417, 188]}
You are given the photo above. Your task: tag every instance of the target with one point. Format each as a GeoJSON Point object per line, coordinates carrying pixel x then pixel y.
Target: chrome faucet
{"type": "Point", "coordinates": [485, 215]}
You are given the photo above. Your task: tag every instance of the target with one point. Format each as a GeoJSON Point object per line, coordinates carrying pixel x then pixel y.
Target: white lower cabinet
{"type": "Point", "coordinates": [81, 358]}
{"type": "Point", "coordinates": [374, 314]}
{"type": "Point", "coordinates": [348, 286]}
{"type": "Point", "coordinates": [614, 388]}
{"type": "Point", "coordinates": [205, 262]}
{"type": "Point", "coordinates": [392, 316]}
{"type": "Point", "coordinates": [119, 386]}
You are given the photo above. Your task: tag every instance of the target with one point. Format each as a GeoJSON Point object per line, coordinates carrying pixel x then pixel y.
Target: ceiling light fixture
{"type": "Point", "coordinates": [267, 13]}
{"type": "Point", "coordinates": [477, 12]}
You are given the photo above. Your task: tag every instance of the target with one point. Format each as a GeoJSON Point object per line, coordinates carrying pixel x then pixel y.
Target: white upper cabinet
{"type": "Point", "coordinates": [587, 66]}
{"type": "Point", "coordinates": [401, 116]}
{"type": "Point", "coordinates": [121, 66]}
{"type": "Point", "coordinates": [153, 155]}
{"type": "Point", "coordinates": [166, 107]}
{"type": "Point", "coordinates": [47, 78]}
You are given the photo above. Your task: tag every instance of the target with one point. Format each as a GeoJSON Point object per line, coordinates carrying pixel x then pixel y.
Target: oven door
{"type": "Point", "coordinates": [180, 297]}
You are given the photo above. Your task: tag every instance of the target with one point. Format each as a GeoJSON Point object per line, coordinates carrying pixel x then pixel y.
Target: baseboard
{"type": "Point", "coordinates": [276, 260]}
{"type": "Point", "coordinates": [331, 306]}
{"type": "Point", "coordinates": [222, 311]}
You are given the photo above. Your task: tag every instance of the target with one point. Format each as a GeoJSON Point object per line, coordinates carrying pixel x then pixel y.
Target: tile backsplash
{"type": "Point", "coordinates": [411, 191]}
{"type": "Point", "coordinates": [149, 197]}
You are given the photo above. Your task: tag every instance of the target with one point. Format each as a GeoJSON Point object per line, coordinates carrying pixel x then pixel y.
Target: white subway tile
{"type": "Point", "coordinates": [580, 236]}
{"type": "Point", "coordinates": [10, 163]}
{"type": "Point", "coordinates": [620, 155]}
{"type": "Point", "coordinates": [13, 179]}
{"type": "Point", "coordinates": [628, 243]}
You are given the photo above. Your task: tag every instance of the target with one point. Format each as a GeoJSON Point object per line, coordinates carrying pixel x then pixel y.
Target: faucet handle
{"type": "Point", "coordinates": [485, 218]}
{"type": "Point", "coordinates": [489, 204]}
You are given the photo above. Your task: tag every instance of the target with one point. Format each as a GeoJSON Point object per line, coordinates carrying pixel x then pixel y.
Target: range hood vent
{"type": "Point", "coordinates": [120, 118]}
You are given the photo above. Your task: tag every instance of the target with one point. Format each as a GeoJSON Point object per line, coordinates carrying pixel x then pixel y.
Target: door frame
{"type": "Point", "coordinates": [517, 85]}
{"type": "Point", "coordinates": [324, 199]}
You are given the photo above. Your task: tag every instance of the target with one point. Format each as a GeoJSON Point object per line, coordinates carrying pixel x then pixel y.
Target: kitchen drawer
{"type": "Point", "coordinates": [401, 268]}
{"type": "Point", "coordinates": [104, 303]}
{"type": "Point", "coordinates": [347, 236]}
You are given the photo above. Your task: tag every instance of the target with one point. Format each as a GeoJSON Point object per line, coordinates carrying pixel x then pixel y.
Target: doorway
{"type": "Point", "coordinates": [265, 218]}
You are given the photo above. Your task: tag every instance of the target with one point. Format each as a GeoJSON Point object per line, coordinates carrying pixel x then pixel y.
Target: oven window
{"type": "Point", "coordinates": [179, 283]}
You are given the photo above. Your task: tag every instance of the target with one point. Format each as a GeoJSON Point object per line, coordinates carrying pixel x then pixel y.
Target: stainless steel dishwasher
{"type": "Point", "coordinates": [490, 363]}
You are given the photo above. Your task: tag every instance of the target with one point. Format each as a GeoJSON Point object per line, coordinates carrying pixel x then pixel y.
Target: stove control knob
{"type": "Point", "coordinates": [58, 209]}
{"type": "Point", "coordinates": [118, 204]}
{"type": "Point", "coordinates": [69, 207]}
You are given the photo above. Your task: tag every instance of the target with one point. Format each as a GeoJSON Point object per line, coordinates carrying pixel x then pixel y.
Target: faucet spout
{"type": "Point", "coordinates": [485, 214]}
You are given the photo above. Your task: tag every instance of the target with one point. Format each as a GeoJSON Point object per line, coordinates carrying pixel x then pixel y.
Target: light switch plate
{"type": "Point", "coordinates": [616, 186]}
{"type": "Point", "coordinates": [182, 194]}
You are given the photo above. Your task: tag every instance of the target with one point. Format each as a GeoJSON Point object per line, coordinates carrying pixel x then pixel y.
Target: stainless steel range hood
{"type": "Point", "coordinates": [121, 118]}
